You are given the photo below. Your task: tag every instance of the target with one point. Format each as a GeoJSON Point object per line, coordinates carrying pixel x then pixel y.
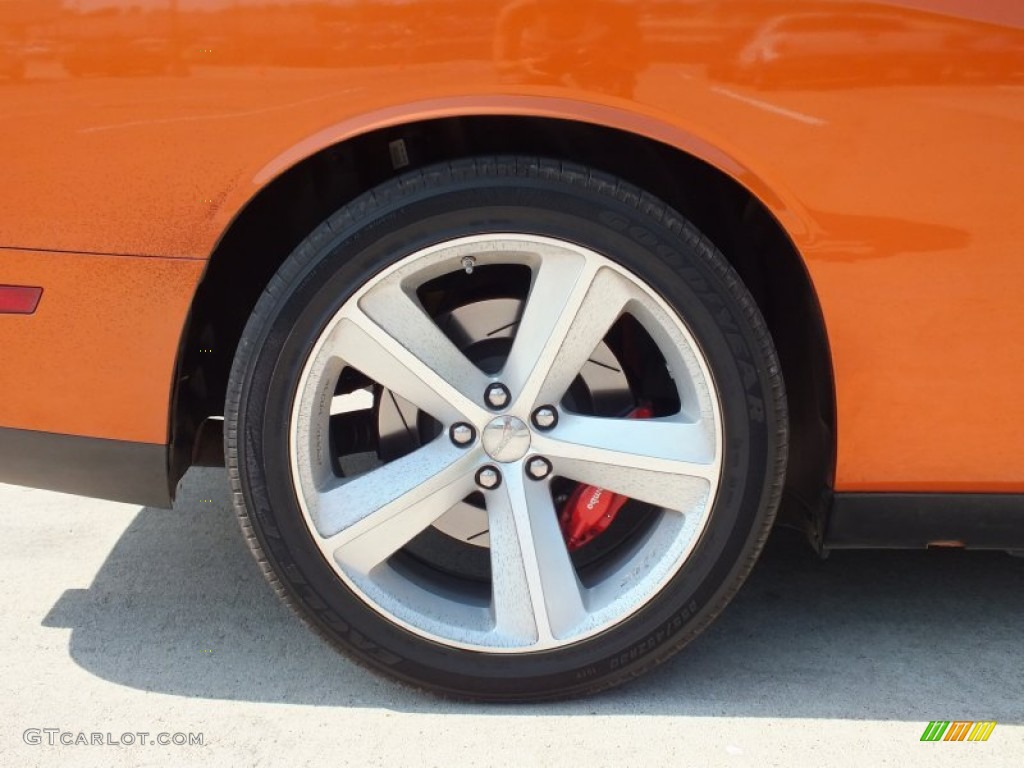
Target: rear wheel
{"type": "Point", "coordinates": [506, 429]}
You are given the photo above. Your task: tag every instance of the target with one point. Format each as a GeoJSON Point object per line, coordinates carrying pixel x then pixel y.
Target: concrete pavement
{"type": "Point", "coordinates": [117, 619]}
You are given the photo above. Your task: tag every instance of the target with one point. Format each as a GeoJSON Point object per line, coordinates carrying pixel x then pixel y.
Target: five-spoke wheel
{"type": "Point", "coordinates": [538, 599]}
{"type": "Point", "coordinates": [506, 429]}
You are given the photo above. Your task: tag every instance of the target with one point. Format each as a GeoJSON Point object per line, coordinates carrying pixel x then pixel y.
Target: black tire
{"type": "Point", "coordinates": [508, 194]}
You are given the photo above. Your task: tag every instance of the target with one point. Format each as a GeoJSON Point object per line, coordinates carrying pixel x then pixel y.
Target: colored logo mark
{"type": "Point", "coordinates": [958, 730]}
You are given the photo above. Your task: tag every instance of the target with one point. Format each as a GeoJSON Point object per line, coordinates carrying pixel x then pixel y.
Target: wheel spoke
{"type": "Point", "coordinates": [663, 462]}
{"type": "Point", "coordinates": [536, 591]}
{"type": "Point", "coordinates": [571, 306]}
{"type": "Point", "coordinates": [367, 519]}
{"type": "Point", "coordinates": [402, 349]}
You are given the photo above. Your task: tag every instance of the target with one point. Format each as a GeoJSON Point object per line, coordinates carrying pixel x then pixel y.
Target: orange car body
{"type": "Point", "coordinates": [886, 138]}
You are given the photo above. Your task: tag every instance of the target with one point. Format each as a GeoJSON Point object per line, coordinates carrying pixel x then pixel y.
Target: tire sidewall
{"type": "Point", "coordinates": [638, 233]}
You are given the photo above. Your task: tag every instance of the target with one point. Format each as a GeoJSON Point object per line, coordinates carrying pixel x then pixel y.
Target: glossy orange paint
{"type": "Point", "coordinates": [97, 356]}
{"type": "Point", "coordinates": [886, 137]}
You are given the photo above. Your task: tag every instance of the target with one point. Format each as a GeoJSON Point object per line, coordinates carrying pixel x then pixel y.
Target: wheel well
{"type": "Point", "coordinates": [278, 218]}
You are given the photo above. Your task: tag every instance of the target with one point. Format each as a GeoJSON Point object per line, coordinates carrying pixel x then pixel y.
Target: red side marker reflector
{"type": "Point", "coordinates": [19, 299]}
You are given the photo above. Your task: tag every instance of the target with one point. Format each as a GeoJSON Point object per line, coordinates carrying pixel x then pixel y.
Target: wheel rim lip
{"type": "Point", "coordinates": [486, 244]}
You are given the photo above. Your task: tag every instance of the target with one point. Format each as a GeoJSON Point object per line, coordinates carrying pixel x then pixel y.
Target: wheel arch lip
{"type": "Point", "coordinates": [679, 133]}
{"type": "Point", "coordinates": [675, 131]}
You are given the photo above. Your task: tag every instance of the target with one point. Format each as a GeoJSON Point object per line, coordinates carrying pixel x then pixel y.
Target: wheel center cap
{"type": "Point", "coordinates": [506, 439]}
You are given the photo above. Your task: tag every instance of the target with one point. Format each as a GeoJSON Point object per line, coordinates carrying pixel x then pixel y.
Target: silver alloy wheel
{"type": "Point", "coordinates": [537, 600]}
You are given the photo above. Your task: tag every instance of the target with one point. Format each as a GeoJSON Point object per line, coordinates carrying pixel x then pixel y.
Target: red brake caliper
{"type": "Point", "coordinates": [590, 510]}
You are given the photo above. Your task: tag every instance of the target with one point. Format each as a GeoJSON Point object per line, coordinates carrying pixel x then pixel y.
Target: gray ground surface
{"type": "Point", "coordinates": [120, 619]}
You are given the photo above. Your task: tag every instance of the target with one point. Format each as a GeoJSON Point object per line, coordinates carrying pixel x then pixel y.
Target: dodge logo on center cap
{"type": "Point", "coordinates": [506, 439]}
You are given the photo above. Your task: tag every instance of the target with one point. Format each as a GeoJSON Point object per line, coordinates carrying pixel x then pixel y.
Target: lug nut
{"type": "Point", "coordinates": [488, 478]}
{"type": "Point", "coordinates": [497, 396]}
{"type": "Point", "coordinates": [538, 468]}
{"type": "Point", "coordinates": [545, 417]}
{"type": "Point", "coordinates": [462, 434]}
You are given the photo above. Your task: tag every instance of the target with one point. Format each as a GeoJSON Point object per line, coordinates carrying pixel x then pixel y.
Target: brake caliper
{"type": "Point", "coordinates": [590, 510]}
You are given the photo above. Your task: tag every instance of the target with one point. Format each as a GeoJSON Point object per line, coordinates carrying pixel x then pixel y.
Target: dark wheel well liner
{"type": "Point", "coordinates": [274, 222]}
